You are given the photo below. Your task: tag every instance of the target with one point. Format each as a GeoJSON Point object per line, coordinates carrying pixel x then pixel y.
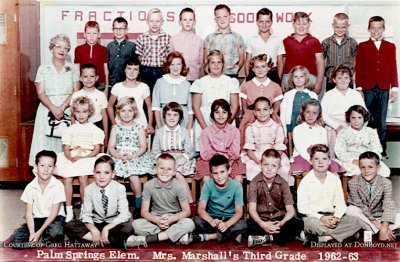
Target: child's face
{"type": "Point", "coordinates": [369, 169]}
{"type": "Point", "coordinates": [92, 35]}
{"type": "Point", "coordinates": [220, 174]}
{"type": "Point", "coordinates": [155, 21]}
{"type": "Point", "coordinates": [356, 120]}
{"type": "Point", "coordinates": [264, 23]}
{"type": "Point", "coordinates": [222, 18]}
{"type": "Point", "coordinates": [187, 21]}
{"type": "Point", "coordinates": [301, 26]}
{"type": "Point", "coordinates": [165, 170]}
{"type": "Point", "coordinates": [45, 168]}
{"type": "Point", "coordinates": [299, 79]}
{"type": "Point", "coordinates": [260, 69]}
{"type": "Point", "coordinates": [376, 29]}
{"type": "Point", "coordinates": [175, 68]}
{"type": "Point", "coordinates": [311, 114]}
{"type": "Point", "coordinates": [61, 49]}
{"type": "Point", "coordinates": [132, 72]}
{"type": "Point", "coordinates": [89, 77]}
{"type": "Point", "coordinates": [320, 162]}
{"type": "Point", "coordinates": [103, 174]}
{"type": "Point", "coordinates": [342, 81]}
{"type": "Point", "coordinates": [262, 112]}
{"type": "Point", "coordinates": [120, 30]}
{"type": "Point", "coordinates": [220, 116]}
{"type": "Point", "coordinates": [171, 119]}
{"type": "Point", "coordinates": [82, 113]}
{"type": "Point", "coordinates": [270, 167]}
{"type": "Point", "coordinates": [215, 65]}
{"type": "Point", "coordinates": [127, 114]}
{"type": "Point", "coordinates": [340, 27]}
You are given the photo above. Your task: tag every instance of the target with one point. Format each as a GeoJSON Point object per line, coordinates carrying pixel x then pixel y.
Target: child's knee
{"type": "Point", "coordinates": [353, 211]}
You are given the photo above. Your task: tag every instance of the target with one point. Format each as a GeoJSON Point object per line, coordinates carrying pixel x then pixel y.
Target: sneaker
{"type": "Point", "coordinates": [135, 241]}
{"type": "Point", "coordinates": [186, 239]}
{"type": "Point", "coordinates": [257, 240]}
{"type": "Point", "coordinates": [238, 239]}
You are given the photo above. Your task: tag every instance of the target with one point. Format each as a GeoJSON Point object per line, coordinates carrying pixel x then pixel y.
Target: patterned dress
{"type": "Point", "coordinates": [127, 142]}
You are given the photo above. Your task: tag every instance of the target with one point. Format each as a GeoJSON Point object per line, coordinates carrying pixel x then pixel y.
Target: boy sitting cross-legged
{"type": "Point", "coordinates": [271, 205]}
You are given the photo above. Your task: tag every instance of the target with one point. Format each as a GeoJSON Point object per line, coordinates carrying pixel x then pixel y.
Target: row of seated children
{"type": "Point", "coordinates": [165, 212]}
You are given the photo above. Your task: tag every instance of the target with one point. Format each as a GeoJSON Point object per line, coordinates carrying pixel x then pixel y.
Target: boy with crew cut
{"type": "Point", "coordinates": [230, 44]}
{"type": "Point", "coordinates": [189, 44]}
{"type": "Point", "coordinates": [271, 205]}
{"type": "Point", "coordinates": [91, 52]}
{"type": "Point", "coordinates": [370, 200]}
{"type": "Point", "coordinates": [118, 51]}
{"type": "Point", "coordinates": [152, 48]}
{"type": "Point", "coordinates": [376, 76]}
{"type": "Point", "coordinates": [44, 209]}
{"type": "Point", "coordinates": [339, 49]}
{"type": "Point", "coordinates": [220, 206]}
{"type": "Point", "coordinates": [320, 198]}
{"type": "Point", "coordinates": [165, 208]}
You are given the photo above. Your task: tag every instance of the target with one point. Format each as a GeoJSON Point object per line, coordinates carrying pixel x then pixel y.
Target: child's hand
{"type": "Point", "coordinates": [35, 237]}
{"type": "Point", "coordinates": [215, 222]}
{"type": "Point", "coordinates": [165, 221]}
{"type": "Point", "coordinates": [222, 227]}
{"type": "Point", "coordinates": [338, 129]}
{"type": "Point", "coordinates": [149, 129]}
{"type": "Point", "coordinates": [96, 237]}
{"type": "Point", "coordinates": [327, 221]}
{"type": "Point", "coordinates": [75, 158]}
{"type": "Point", "coordinates": [130, 157]}
{"type": "Point", "coordinates": [385, 234]}
{"type": "Point", "coordinates": [104, 237]}
{"type": "Point", "coordinates": [271, 227]}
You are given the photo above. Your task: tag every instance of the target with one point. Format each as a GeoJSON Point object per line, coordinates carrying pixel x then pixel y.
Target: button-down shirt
{"type": "Point", "coordinates": [273, 47]}
{"type": "Point", "coordinates": [117, 53]}
{"type": "Point", "coordinates": [271, 201]}
{"type": "Point", "coordinates": [153, 49]}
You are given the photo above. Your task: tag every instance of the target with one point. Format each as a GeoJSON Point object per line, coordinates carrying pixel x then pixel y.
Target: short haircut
{"type": "Point", "coordinates": [171, 56]}
{"type": "Point", "coordinates": [370, 155]}
{"type": "Point", "coordinates": [223, 104]}
{"type": "Point", "coordinates": [131, 61]}
{"type": "Point", "coordinates": [272, 153]}
{"type": "Point", "coordinates": [341, 17]}
{"type": "Point", "coordinates": [339, 70]}
{"type": "Point", "coordinates": [300, 15]}
{"type": "Point", "coordinates": [92, 24]}
{"type": "Point", "coordinates": [175, 107]}
{"type": "Point", "coordinates": [313, 102]}
{"type": "Point", "coordinates": [319, 148]}
{"type": "Point", "coordinates": [218, 160]}
{"type": "Point", "coordinates": [88, 66]}
{"type": "Point", "coordinates": [215, 53]}
{"type": "Point", "coordinates": [187, 10]}
{"type": "Point", "coordinates": [127, 101]}
{"type": "Point", "coordinates": [105, 159]}
{"type": "Point", "coordinates": [307, 84]}
{"type": "Point", "coordinates": [261, 57]}
{"type": "Point", "coordinates": [359, 109]}
{"type": "Point", "coordinates": [164, 156]}
{"type": "Point", "coordinates": [154, 11]}
{"type": "Point", "coordinates": [222, 6]}
{"type": "Point", "coordinates": [259, 99]}
{"type": "Point", "coordinates": [46, 153]}
{"type": "Point", "coordinates": [120, 20]}
{"type": "Point", "coordinates": [264, 11]}
{"type": "Point", "coordinates": [376, 19]}
{"type": "Point", "coordinates": [59, 37]}
{"type": "Point", "coordinates": [81, 101]}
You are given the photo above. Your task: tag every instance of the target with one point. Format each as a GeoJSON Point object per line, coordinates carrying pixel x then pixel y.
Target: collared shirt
{"type": "Point", "coordinates": [273, 47]}
{"type": "Point", "coordinates": [153, 49]}
{"type": "Point", "coordinates": [191, 46]}
{"type": "Point", "coordinates": [377, 42]}
{"type": "Point", "coordinates": [224, 142]}
{"type": "Point", "coordinates": [253, 89]}
{"type": "Point", "coordinates": [305, 135]}
{"type": "Point", "coordinates": [370, 187]}
{"type": "Point", "coordinates": [314, 196]}
{"type": "Point", "coordinates": [301, 53]}
{"type": "Point", "coordinates": [271, 201]}
{"type": "Point", "coordinates": [117, 53]}
{"type": "Point", "coordinates": [94, 54]}
{"type": "Point", "coordinates": [260, 137]}
{"type": "Point", "coordinates": [99, 100]}
{"type": "Point", "coordinates": [42, 203]}
{"type": "Point", "coordinates": [230, 44]}
{"type": "Point", "coordinates": [338, 53]}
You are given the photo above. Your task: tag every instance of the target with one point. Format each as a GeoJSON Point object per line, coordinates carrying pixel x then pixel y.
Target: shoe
{"type": "Point", "coordinates": [238, 239]}
{"type": "Point", "coordinates": [257, 240]}
{"type": "Point", "coordinates": [384, 156]}
{"type": "Point", "coordinates": [186, 239]}
{"type": "Point", "coordinates": [396, 234]}
{"type": "Point", "coordinates": [308, 239]}
{"type": "Point", "coordinates": [135, 241]}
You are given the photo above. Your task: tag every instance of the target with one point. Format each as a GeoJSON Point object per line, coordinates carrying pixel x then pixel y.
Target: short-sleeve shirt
{"type": "Point", "coordinates": [271, 201]}
{"type": "Point", "coordinates": [273, 47]}
{"type": "Point", "coordinates": [42, 203]}
{"type": "Point", "coordinates": [99, 100]}
{"type": "Point", "coordinates": [117, 53]}
{"type": "Point", "coordinates": [82, 138]}
{"type": "Point", "coordinates": [154, 51]}
{"type": "Point", "coordinates": [167, 199]}
{"type": "Point", "coordinates": [301, 53]}
{"type": "Point", "coordinates": [92, 54]}
{"type": "Point", "coordinates": [222, 202]}
{"type": "Point", "coordinates": [230, 44]}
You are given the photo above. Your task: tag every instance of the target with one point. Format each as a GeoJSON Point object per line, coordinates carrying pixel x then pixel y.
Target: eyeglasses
{"type": "Point", "coordinates": [119, 28]}
{"type": "Point", "coordinates": [66, 48]}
